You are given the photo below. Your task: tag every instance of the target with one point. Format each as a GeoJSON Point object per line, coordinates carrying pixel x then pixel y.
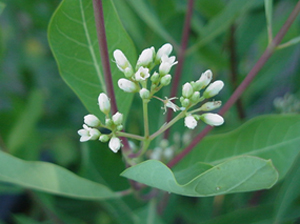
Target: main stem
{"type": "Point", "coordinates": [246, 82]}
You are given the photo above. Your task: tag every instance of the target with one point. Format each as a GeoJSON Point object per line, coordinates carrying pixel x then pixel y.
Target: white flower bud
{"type": "Point", "coordinates": [88, 133]}
{"type": "Point", "coordinates": [210, 106]}
{"type": "Point", "coordinates": [195, 97]}
{"type": "Point", "coordinates": [204, 80]}
{"type": "Point", "coordinates": [185, 102]}
{"type": "Point", "coordinates": [212, 119]}
{"type": "Point", "coordinates": [108, 122]}
{"type": "Point", "coordinates": [187, 90]}
{"type": "Point", "coordinates": [166, 80]}
{"type": "Point", "coordinates": [213, 89]}
{"type": "Point", "coordinates": [144, 93]}
{"type": "Point", "coordinates": [128, 72]}
{"type": "Point", "coordinates": [146, 57]}
{"type": "Point", "coordinates": [104, 138]}
{"type": "Point", "coordinates": [114, 144]}
{"type": "Point", "coordinates": [166, 49]}
{"type": "Point", "coordinates": [104, 103]}
{"type": "Point", "coordinates": [142, 74]}
{"type": "Point", "coordinates": [128, 86]}
{"type": "Point", "coordinates": [117, 118]}
{"type": "Point", "coordinates": [190, 121]}
{"type": "Point", "coordinates": [91, 120]}
{"type": "Point", "coordinates": [122, 61]}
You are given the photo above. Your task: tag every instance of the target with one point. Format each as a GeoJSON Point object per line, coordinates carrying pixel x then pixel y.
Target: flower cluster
{"type": "Point", "coordinates": [136, 80]}
{"type": "Point", "coordinates": [90, 129]}
{"type": "Point", "coordinates": [191, 96]}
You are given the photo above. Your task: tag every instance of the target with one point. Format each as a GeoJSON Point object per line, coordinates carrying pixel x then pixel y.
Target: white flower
{"type": "Point", "coordinates": [204, 80]}
{"type": "Point", "coordinates": [213, 89]}
{"type": "Point", "coordinates": [91, 120]}
{"type": "Point", "coordinates": [190, 121]}
{"type": "Point", "coordinates": [142, 74]}
{"type": "Point", "coordinates": [128, 86]}
{"type": "Point", "coordinates": [166, 49]}
{"type": "Point", "coordinates": [114, 144]}
{"type": "Point", "coordinates": [117, 118]}
{"type": "Point", "coordinates": [187, 90]}
{"type": "Point", "coordinates": [146, 57]}
{"type": "Point", "coordinates": [210, 106]}
{"type": "Point", "coordinates": [104, 103]}
{"type": "Point", "coordinates": [88, 133]}
{"type": "Point", "coordinates": [212, 119]}
{"type": "Point", "coordinates": [122, 61]}
{"type": "Point", "coordinates": [168, 103]}
{"type": "Point", "coordinates": [166, 64]}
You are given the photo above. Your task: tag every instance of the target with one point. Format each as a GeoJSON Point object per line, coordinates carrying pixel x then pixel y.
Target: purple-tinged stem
{"type": "Point", "coordinates": [238, 92]}
{"type": "Point", "coordinates": [99, 19]}
{"type": "Point", "coordinates": [100, 27]}
{"type": "Point", "coordinates": [181, 57]}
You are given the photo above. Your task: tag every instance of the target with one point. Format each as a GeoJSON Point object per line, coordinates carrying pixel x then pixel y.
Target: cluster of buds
{"type": "Point", "coordinates": [92, 124]}
{"type": "Point", "coordinates": [136, 80]}
{"type": "Point", "coordinates": [191, 96]}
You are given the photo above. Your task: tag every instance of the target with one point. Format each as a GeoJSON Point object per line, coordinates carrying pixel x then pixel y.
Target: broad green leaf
{"type": "Point", "coordinates": [25, 124]}
{"type": "Point", "coordinates": [222, 21]}
{"type": "Point", "coordinates": [50, 178]}
{"type": "Point", "coordinates": [73, 40]}
{"type": "Point", "coordinates": [235, 175]}
{"type": "Point", "coordinates": [288, 193]}
{"type": "Point", "coordinates": [274, 137]}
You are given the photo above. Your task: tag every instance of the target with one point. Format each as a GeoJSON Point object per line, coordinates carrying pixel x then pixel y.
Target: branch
{"type": "Point", "coordinates": [246, 82]}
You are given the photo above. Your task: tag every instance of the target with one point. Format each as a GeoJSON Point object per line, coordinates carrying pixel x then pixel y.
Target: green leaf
{"type": "Point", "coordinates": [274, 137]}
{"type": "Point", "coordinates": [73, 40]}
{"type": "Point", "coordinates": [25, 124]}
{"type": "Point", "coordinates": [235, 175]}
{"type": "Point", "coordinates": [288, 193]}
{"type": "Point", "coordinates": [50, 178]}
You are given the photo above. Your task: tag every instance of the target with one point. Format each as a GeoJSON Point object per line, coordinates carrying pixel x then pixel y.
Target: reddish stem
{"type": "Point", "coordinates": [242, 87]}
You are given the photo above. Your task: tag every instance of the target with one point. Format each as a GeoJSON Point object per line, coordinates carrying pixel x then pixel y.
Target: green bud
{"type": "Point", "coordinates": [187, 90]}
{"type": "Point", "coordinates": [185, 103]}
{"type": "Point", "coordinates": [155, 77]}
{"type": "Point", "coordinates": [166, 80]}
{"type": "Point", "coordinates": [108, 122]}
{"type": "Point", "coordinates": [144, 93]}
{"type": "Point", "coordinates": [104, 138]}
{"type": "Point", "coordinates": [195, 97]}
{"type": "Point", "coordinates": [120, 127]}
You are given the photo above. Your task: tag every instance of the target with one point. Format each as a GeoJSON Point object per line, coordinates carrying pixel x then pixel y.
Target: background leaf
{"type": "Point", "coordinates": [73, 40]}
{"type": "Point", "coordinates": [235, 175]}
{"type": "Point", "coordinates": [50, 178]}
{"type": "Point", "coordinates": [274, 137]}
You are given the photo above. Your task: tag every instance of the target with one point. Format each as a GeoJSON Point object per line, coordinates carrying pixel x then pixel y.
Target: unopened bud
{"type": "Point", "coordinates": [117, 118]}
{"type": "Point", "coordinates": [128, 86]}
{"type": "Point", "coordinates": [146, 57]}
{"type": "Point", "coordinates": [166, 49]}
{"type": "Point", "coordinates": [114, 144]}
{"type": "Point", "coordinates": [166, 80]}
{"type": "Point", "coordinates": [155, 77]}
{"type": "Point", "coordinates": [204, 80]}
{"type": "Point", "coordinates": [213, 89]}
{"type": "Point", "coordinates": [195, 97]}
{"type": "Point", "coordinates": [187, 90]}
{"type": "Point", "coordinates": [104, 138]}
{"type": "Point", "coordinates": [91, 120]}
{"type": "Point", "coordinates": [210, 106]}
{"type": "Point", "coordinates": [190, 122]}
{"type": "Point", "coordinates": [212, 119]}
{"type": "Point", "coordinates": [185, 102]}
{"type": "Point", "coordinates": [104, 103]}
{"type": "Point", "coordinates": [121, 60]}
{"type": "Point", "coordinates": [144, 93]}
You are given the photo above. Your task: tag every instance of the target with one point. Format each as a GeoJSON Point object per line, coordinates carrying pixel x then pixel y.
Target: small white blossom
{"type": "Point", "coordinates": [91, 120]}
{"type": "Point", "coordinates": [121, 61]}
{"type": "Point", "coordinates": [187, 90]}
{"type": "Point", "coordinates": [114, 144]}
{"type": "Point", "coordinates": [142, 74]}
{"type": "Point", "coordinates": [168, 103]}
{"type": "Point", "coordinates": [117, 118]}
{"type": "Point", "coordinates": [104, 103]}
{"type": "Point", "coordinates": [146, 57]}
{"type": "Point", "coordinates": [166, 49]}
{"type": "Point", "coordinates": [213, 89]}
{"type": "Point", "coordinates": [128, 86]}
{"type": "Point", "coordinates": [88, 133]}
{"type": "Point", "coordinates": [166, 64]}
{"type": "Point", "coordinates": [212, 119]}
{"type": "Point", "coordinates": [190, 121]}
